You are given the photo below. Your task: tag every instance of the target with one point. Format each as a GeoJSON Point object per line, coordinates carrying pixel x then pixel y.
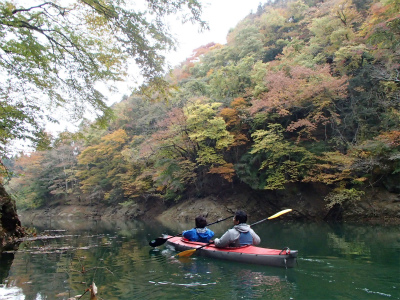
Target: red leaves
{"type": "Point", "coordinates": [310, 93]}
{"type": "Point", "coordinates": [299, 87]}
{"type": "Point", "coordinates": [226, 171]}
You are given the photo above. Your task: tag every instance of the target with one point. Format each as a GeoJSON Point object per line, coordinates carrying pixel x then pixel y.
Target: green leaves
{"type": "Point", "coordinates": [209, 132]}
{"type": "Point", "coordinates": [278, 161]}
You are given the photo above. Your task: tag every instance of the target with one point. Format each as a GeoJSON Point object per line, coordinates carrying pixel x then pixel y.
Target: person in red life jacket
{"type": "Point", "coordinates": [240, 235]}
{"type": "Point", "coordinates": [200, 233]}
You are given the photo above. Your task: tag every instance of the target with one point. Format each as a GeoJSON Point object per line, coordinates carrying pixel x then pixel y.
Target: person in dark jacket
{"type": "Point", "coordinates": [240, 235]}
{"type": "Point", "coordinates": [200, 233]}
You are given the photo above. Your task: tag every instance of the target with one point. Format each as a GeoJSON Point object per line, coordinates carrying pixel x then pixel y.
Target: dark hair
{"type": "Point", "coordinates": [201, 222]}
{"type": "Point", "coordinates": [241, 216]}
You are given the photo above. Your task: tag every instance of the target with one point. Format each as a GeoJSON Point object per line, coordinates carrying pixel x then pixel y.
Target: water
{"type": "Point", "coordinates": [336, 262]}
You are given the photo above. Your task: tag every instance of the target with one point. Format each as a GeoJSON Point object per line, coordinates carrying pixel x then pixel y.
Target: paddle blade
{"type": "Point", "coordinates": [157, 242]}
{"type": "Point", "coordinates": [280, 213]}
{"type": "Point", "coordinates": [186, 253]}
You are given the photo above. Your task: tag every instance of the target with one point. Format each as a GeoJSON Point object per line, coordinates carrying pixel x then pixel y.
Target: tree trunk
{"type": "Point", "coordinates": [10, 225]}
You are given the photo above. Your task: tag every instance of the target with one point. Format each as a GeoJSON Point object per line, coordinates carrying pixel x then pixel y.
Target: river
{"type": "Point", "coordinates": [336, 262]}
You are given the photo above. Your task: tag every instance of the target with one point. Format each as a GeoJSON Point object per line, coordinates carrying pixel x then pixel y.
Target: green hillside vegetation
{"type": "Point", "coordinates": [303, 91]}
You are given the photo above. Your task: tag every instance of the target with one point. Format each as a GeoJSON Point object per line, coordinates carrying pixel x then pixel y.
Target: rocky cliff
{"type": "Point", "coordinates": [10, 225]}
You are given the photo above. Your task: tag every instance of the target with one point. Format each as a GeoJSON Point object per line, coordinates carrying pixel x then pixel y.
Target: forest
{"type": "Point", "coordinates": [303, 91]}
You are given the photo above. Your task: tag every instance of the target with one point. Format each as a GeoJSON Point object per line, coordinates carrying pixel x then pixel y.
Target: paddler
{"type": "Point", "coordinates": [240, 235]}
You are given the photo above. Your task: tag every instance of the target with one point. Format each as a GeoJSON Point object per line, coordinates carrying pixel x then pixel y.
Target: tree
{"type": "Point", "coordinates": [103, 165]}
{"type": "Point", "coordinates": [189, 145]}
{"type": "Point", "coordinates": [26, 187]}
{"type": "Point", "coordinates": [304, 97]}
{"type": "Point", "coordinates": [273, 162]}
{"type": "Point", "coordinates": [52, 55]}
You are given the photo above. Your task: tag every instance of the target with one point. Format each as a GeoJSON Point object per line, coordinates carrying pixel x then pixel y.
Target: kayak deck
{"type": "Point", "coordinates": [285, 258]}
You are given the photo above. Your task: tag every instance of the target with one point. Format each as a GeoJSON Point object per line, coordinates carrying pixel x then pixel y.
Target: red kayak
{"type": "Point", "coordinates": [285, 258]}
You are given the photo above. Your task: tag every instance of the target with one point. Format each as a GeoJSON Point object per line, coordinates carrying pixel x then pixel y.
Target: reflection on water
{"type": "Point", "coordinates": [335, 262]}
{"type": "Point", "coordinates": [6, 260]}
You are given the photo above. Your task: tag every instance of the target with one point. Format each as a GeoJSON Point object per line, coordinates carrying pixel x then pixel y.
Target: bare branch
{"type": "Point", "coordinates": [59, 8]}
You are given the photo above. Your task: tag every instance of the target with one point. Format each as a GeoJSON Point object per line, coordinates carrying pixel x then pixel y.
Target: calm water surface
{"type": "Point", "coordinates": [335, 262]}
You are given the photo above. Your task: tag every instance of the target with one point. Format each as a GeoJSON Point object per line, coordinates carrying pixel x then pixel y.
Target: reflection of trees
{"type": "Point", "coordinates": [348, 247]}
{"type": "Point", "coordinates": [368, 242]}
{"type": "Point", "coordinates": [115, 255]}
{"type": "Point", "coordinates": [34, 274]}
{"type": "Point", "coordinates": [6, 260]}
{"type": "Point", "coordinates": [68, 265]}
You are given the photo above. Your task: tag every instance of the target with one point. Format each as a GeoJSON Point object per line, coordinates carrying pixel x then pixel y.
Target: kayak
{"type": "Point", "coordinates": [285, 258]}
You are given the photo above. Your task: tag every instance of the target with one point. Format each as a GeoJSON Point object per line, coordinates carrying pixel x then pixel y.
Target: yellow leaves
{"type": "Point", "coordinates": [110, 144]}
{"type": "Point", "coordinates": [204, 126]}
{"type": "Point", "coordinates": [118, 136]}
{"type": "Point", "coordinates": [281, 161]}
{"type": "Point", "coordinates": [111, 60]}
{"type": "Point", "coordinates": [273, 18]}
{"type": "Point", "coordinates": [334, 167]}
{"type": "Point", "coordinates": [392, 138]}
{"type": "Point", "coordinates": [342, 195]}
{"type": "Point", "coordinates": [104, 162]}
{"type": "Point", "coordinates": [216, 47]}
{"type": "Point", "coordinates": [96, 22]}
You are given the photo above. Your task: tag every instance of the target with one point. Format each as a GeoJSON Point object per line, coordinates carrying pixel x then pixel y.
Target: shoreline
{"type": "Point", "coordinates": [213, 208]}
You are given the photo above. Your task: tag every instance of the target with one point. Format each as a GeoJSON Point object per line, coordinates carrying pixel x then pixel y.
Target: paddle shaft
{"type": "Point", "coordinates": [159, 241]}
{"type": "Point", "coordinates": [190, 252]}
{"type": "Point", "coordinates": [220, 220]}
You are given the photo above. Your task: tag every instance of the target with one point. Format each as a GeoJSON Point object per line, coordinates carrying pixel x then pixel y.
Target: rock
{"type": "Point", "coordinates": [10, 225]}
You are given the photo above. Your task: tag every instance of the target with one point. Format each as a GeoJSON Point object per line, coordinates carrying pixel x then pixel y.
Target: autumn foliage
{"type": "Point", "coordinates": [304, 91]}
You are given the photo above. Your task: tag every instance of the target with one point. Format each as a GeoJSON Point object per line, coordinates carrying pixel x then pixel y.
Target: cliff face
{"type": "Point", "coordinates": [306, 200]}
{"type": "Point", "coordinates": [10, 225]}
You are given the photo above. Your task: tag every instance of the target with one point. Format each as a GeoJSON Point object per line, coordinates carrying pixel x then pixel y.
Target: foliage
{"type": "Point", "coordinates": [48, 176]}
{"type": "Point", "coordinates": [379, 158]}
{"type": "Point", "coordinates": [27, 190]}
{"type": "Point", "coordinates": [52, 55]}
{"type": "Point", "coordinates": [278, 161]}
{"type": "Point", "coordinates": [303, 91]}
{"type": "Point", "coordinates": [190, 142]}
{"type": "Point", "coordinates": [341, 196]}
{"type": "Point", "coordinates": [332, 168]}
{"type": "Point", "coordinates": [103, 163]}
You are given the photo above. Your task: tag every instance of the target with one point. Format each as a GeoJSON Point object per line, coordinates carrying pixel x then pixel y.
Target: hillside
{"type": "Point", "coordinates": [299, 109]}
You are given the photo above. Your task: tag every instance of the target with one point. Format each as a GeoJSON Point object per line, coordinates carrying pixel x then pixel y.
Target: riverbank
{"type": "Point", "coordinates": [377, 207]}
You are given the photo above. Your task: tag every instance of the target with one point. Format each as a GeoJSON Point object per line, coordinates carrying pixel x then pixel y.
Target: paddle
{"type": "Point", "coordinates": [159, 241]}
{"type": "Point", "coordinates": [190, 252]}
